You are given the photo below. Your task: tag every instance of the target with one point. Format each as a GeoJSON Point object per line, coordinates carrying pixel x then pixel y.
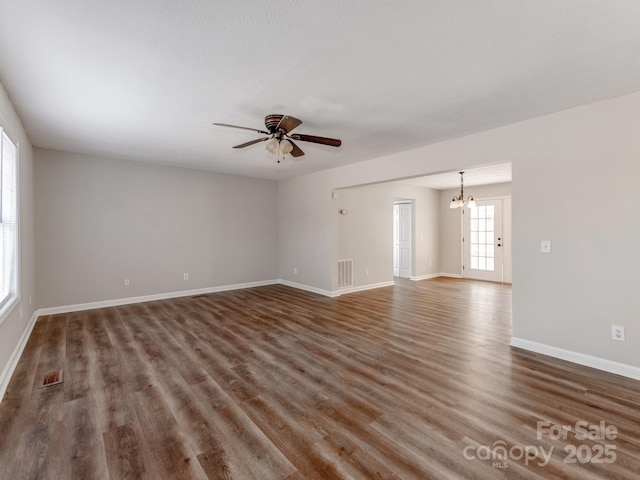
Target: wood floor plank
{"type": "Point", "coordinates": [164, 446]}
{"type": "Point", "coordinates": [273, 383]}
{"type": "Point", "coordinates": [122, 451]}
{"type": "Point", "coordinates": [86, 442]}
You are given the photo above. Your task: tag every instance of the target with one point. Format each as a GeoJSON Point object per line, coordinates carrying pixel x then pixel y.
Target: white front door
{"type": "Point", "coordinates": [484, 241]}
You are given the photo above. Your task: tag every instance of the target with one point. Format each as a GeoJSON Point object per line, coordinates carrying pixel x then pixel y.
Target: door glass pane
{"type": "Point", "coordinates": [482, 235]}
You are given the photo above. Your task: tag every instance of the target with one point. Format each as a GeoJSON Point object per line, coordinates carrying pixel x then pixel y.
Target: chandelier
{"type": "Point", "coordinates": [459, 201]}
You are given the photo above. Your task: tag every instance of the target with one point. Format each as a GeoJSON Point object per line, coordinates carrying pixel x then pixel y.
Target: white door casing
{"type": "Point", "coordinates": [506, 244]}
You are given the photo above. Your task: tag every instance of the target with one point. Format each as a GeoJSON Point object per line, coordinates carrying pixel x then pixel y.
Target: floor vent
{"type": "Point", "coordinates": [51, 378]}
{"type": "Point", "coordinates": [345, 273]}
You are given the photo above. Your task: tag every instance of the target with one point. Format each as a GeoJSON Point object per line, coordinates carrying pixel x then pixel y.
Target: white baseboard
{"type": "Point", "coordinates": [308, 288]}
{"type": "Point", "coordinates": [579, 358]}
{"type": "Point", "coordinates": [5, 377]}
{"type": "Point", "coordinates": [150, 298]}
{"type": "Point", "coordinates": [425, 277]}
{"type": "Point", "coordinates": [450, 275]}
{"type": "Point", "coordinates": [362, 288]}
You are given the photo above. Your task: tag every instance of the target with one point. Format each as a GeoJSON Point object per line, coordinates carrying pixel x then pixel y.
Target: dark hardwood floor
{"type": "Point", "coordinates": [415, 381]}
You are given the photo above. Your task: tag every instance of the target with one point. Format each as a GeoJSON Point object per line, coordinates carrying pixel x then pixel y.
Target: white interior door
{"type": "Point", "coordinates": [484, 242]}
{"type": "Point", "coordinates": [405, 239]}
{"type": "Point", "coordinates": [396, 240]}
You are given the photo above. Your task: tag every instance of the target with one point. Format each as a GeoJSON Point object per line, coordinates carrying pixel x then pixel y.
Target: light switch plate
{"type": "Point", "coordinates": [545, 246]}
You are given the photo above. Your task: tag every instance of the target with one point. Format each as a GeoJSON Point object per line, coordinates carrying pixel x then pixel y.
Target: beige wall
{"type": "Point", "coordinates": [13, 326]}
{"type": "Point", "coordinates": [100, 221]}
{"type": "Point", "coordinates": [307, 226]}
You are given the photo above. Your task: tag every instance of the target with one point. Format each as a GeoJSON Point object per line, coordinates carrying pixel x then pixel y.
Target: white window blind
{"type": "Point", "coordinates": [8, 218]}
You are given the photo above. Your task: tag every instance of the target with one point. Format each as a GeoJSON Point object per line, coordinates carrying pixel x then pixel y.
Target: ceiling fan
{"type": "Point", "coordinates": [279, 140]}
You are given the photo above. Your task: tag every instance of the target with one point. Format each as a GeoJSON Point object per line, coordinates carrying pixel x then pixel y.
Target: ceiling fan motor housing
{"type": "Point", "coordinates": [272, 121]}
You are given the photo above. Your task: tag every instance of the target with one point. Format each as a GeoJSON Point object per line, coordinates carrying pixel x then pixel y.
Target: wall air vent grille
{"type": "Point", "coordinates": [345, 273]}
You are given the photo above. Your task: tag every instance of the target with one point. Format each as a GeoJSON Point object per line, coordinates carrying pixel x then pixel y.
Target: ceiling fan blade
{"type": "Point", "coordinates": [243, 128]}
{"type": "Point", "coordinates": [252, 142]}
{"type": "Point", "coordinates": [334, 142]}
{"type": "Point", "coordinates": [296, 152]}
{"type": "Point", "coordinates": [288, 123]}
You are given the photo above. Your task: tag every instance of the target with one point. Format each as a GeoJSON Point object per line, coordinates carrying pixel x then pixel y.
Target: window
{"type": "Point", "coordinates": [8, 220]}
{"type": "Point", "coordinates": [482, 226]}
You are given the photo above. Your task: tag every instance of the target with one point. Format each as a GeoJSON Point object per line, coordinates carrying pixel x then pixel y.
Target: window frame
{"type": "Point", "coordinates": [8, 304]}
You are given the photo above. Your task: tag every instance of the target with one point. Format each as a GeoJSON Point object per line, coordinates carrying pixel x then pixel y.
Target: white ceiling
{"type": "Point", "coordinates": [145, 79]}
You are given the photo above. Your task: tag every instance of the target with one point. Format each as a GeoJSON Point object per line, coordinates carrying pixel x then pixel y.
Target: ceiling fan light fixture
{"type": "Point", "coordinates": [272, 146]}
{"type": "Point", "coordinates": [285, 147]}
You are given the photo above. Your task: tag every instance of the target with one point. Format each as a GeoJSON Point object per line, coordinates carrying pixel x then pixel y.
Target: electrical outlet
{"type": "Point", "coordinates": [127, 282]}
{"type": "Point", "coordinates": [186, 276]}
{"type": "Point", "coordinates": [295, 270]}
{"type": "Point", "coordinates": [617, 333]}
{"type": "Point", "coordinates": [545, 246]}
{"type": "Point", "coordinates": [366, 272]}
